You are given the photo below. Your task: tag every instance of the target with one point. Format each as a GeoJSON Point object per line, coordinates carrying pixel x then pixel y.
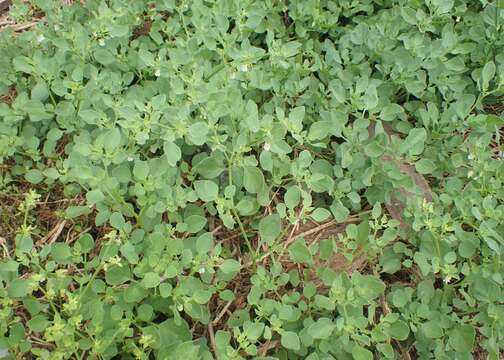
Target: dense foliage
{"type": "Point", "coordinates": [162, 160]}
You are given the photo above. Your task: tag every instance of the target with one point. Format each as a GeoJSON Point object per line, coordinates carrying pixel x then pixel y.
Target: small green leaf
{"type": "Point", "coordinates": [141, 170]}
{"type": "Point", "coordinates": [38, 323]}
{"type": "Point", "coordinates": [425, 166]}
{"type": "Point", "coordinates": [414, 142]}
{"type": "Point", "coordinates": [204, 243]}
{"type": "Point", "coordinates": [292, 197]}
{"type": "Point", "coordinates": [373, 149]}
{"type": "Point", "coordinates": [75, 211]}
{"type": "Point", "coordinates": [253, 179]}
{"type": "Point", "coordinates": [207, 190]}
{"type": "Point", "coordinates": [321, 329]}
{"type": "Point", "coordinates": [320, 214]}
{"type": "Point", "coordinates": [198, 133]}
{"type": "Point", "coordinates": [361, 353]}
{"type": "Point", "coordinates": [461, 338]}
{"type": "Point", "coordinates": [290, 340]}
{"type": "Point", "coordinates": [299, 252]}
{"type": "Point", "coordinates": [399, 330]}
{"type": "Point", "coordinates": [19, 288]}
{"type": "Point", "coordinates": [252, 116]}
{"type": "Point", "coordinates": [195, 223]}
{"type": "Point", "coordinates": [230, 266]}
{"type": "Point", "coordinates": [270, 227]}
{"type": "Point", "coordinates": [339, 211]}
{"type": "Point", "coordinates": [34, 176]}
{"type": "Point", "coordinates": [487, 75]}
{"type": "Point", "coordinates": [117, 221]}
{"type": "Point", "coordinates": [432, 329]}
{"type": "Point", "coordinates": [94, 196]}
{"type": "Point", "coordinates": [172, 152]}
{"type": "Point", "coordinates": [390, 112]}
{"type": "Point", "coordinates": [150, 280]}
{"type": "Point", "coordinates": [60, 252]}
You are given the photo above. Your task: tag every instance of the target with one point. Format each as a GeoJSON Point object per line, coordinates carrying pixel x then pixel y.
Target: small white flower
{"type": "Point", "coordinates": [158, 72]}
{"type": "Point", "coordinates": [457, 19]}
{"type": "Point", "coordinates": [180, 307]}
{"type": "Point", "coordinates": [130, 158]}
{"type": "Point", "coordinates": [40, 38]}
{"type": "Point", "coordinates": [202, 270]}
{"type": "Point", "coordinates": [101, 42]}
{"type": "Point", "coordinates": [267, 146]}
{"type": "Point", "coordinates": [244, 68]}
{"type": "Point", "coordinates": [470, 173]}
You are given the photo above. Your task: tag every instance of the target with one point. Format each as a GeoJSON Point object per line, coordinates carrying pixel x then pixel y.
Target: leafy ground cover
{"type": "Point", "coordinates": [231, 179]}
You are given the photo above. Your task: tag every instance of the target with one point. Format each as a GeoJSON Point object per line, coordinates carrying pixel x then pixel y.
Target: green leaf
{"type": "Point", "coordinates": [172, 152]}
{"type": "Point", "coordinates": [269, 228]}
{"type": "Point", "coordinates": [146, 57]}
{"type": "Point", "coordinates": [399, 330]}
{"type": "Point", "coordinates": [117, 221]}
{"type": "Point", "coordinates": [320, 214]}
{"type": "Point", "coordinates": [207, 190]}
{"type": "Point", "coordinates": [432, 329]}
{"type": "Point", "coordinates": [134, 293]}
{"type": "Point", "coordinates": [141, 170]}
{"type": "Point", "coordinates": [195, 223]}
{"type": "Point", "coordinates": [150, 280]}
{"type": "Point", "coordinates": [487, 74]}
{"type": "Point", "coordinates": [165, 290]}
{"type": "Point", "coordinates": [34, 176]}
{"type": "Point", "coordinates": [230, 266]}
{"type": "Point", "coordinates": [409, 15]}
{"type": "Point", "coordinates": [253, 179]}
{"type": "Point", "coordinates": [94, 196]}
{"type": "Point", "coordinates": [321, 329]}
{"type": "Point", "coordinates": [252, 116]}
{"type": "Point", "coordinates": [339, 211]}
{"type": "Point", "coordinates": [198, 133]}
{"type": "Point", "coordinates": [360, 353]}
{"type": "Point", "coordinates": [461, 338]}
{"type": "Point", "coordinates": [290, 340]}
{"type": "Point", "coordinates": [368, 286]}
{"type": "Point", "coordinates": [296, 117]}
{"type": "Point", "coordinates": [60, 252]}
{"type": "Point", "coordinates": [209, 168]}
{"type": "Point", "coordinates": [390, 112]}
{"type": "Point", "coordinates": [76, 211]}
{"type": "Point", "coordinates": [373, 149]}
{"type": "Point", "coordinates": [38, 323]}
{"type": "Point", "coordinates": [18, 288]}
{"type": "Point", "coordinates": [292, 197]}
{"type": "Point", "coordinates": [414, 142]}
{"type": "Point", "coordinates": [128, 250]}
{"type": "Point", "coordinates": [425, 166]}
{"type": "Point", "coordinates": [104, 57]}
{"type": "Point", "coordinates": [299, 252]}
{"type": "Point", "coordinates": [204, 243]}
{"type": "Point", "coordinates": [370, 98]}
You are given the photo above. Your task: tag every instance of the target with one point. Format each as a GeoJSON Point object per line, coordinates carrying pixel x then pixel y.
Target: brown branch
{"type": "Point", "coordinates": [212, 340]}
{"type": "Point", "coordinates": [222, 312]}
